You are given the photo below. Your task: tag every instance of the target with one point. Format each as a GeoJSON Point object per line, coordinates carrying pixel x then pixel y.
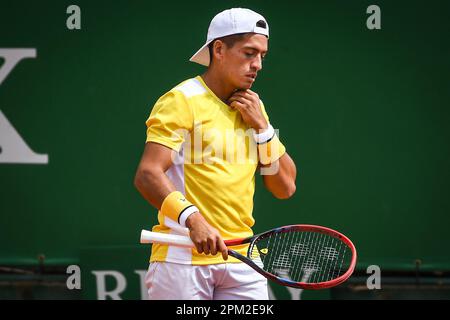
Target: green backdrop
{"type": "Point", "coordinates": [364, 114]}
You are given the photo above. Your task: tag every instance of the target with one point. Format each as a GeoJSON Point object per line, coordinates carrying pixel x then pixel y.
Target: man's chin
{"type": "Point", "coordinates": [245, 86]}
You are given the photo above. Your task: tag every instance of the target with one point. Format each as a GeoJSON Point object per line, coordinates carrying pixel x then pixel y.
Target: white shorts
{"type": "Point", "coordinates": [226, 281]}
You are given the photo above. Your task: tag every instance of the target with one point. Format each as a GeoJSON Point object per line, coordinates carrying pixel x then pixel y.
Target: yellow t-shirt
{"type": "Point", "coordinates": [214, 166]}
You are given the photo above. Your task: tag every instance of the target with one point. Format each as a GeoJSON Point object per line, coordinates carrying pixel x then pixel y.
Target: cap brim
{"type": "Point", "coordinates": [202, 55]}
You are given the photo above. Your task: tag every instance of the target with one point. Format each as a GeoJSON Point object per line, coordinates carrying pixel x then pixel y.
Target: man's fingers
{"type": "Point", "coordinates": [237, 105]}
{"type": "Point", "coordinates": [241, 94]}
{"type": "Point", "coordinates": [240, 99]}
{"type": "Point", "coordinates": [240, 103]}
{"type": "Point", "coordinates": [243, 100]}
{"type": "Point", "coordinates": [206, 248]}
{"type": "Point", "coordinates": [212, 246]}
{"type": "Point", "coordinates": [253, 93]}
{"type": "Point", "coordinates": [248, 94]}
{"type": "Point", "coordinates": [199, 247]}
{"type": "Point", "coordinates": [223, 249]}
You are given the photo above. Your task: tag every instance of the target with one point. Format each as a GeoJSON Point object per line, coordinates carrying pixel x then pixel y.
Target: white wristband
{"type": "Point", "coordinates": [183, 217]}
{"type": "Point", "coordinates": [264, 136]}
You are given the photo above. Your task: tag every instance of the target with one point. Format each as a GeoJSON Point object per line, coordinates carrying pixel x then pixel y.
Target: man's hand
{"type": "Point", "coordinates": [247, 103]}
{"type": "Point", "coordinates": [206, 238]}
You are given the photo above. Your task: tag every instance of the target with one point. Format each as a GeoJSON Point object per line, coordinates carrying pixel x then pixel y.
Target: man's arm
{"type": "Point", "coordinates": [151, 180]}
{"type": "Point", "coordinates": [154, 185]}
{"type": "Point", "coordinates": [281, 184]}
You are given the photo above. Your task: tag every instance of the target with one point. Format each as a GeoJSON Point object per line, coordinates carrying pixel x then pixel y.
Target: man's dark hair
{"type": "Point", "coordinates": [230, 41]}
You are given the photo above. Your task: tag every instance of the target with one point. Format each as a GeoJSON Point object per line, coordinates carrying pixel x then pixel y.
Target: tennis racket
{"type": "Point", "coordinates": [299, 256]}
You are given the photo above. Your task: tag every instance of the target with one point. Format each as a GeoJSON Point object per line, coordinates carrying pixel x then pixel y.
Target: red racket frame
{"type": "Point", "coordinates": [297, 227]}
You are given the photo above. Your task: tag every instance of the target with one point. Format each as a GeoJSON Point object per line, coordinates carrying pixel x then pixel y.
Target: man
{"type": "Point", "coordinates": [193, 170]}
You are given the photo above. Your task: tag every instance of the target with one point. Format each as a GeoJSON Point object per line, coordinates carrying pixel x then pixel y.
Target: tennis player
{"type": "Point", "coordinates": [206, 139]}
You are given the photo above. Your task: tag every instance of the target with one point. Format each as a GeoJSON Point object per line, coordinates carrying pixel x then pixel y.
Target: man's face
{"type": "Point", "coordinates": [241, 62]}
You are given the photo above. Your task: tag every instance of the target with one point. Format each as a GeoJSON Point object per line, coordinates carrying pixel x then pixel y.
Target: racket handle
{"type": "Point", "coordinates": [164, 238]}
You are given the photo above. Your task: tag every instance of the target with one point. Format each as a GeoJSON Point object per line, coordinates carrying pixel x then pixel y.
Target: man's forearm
{"type": "Point", "coordinates": [282, 184]}
{"type": "Point", "coordinates": [154, 186]}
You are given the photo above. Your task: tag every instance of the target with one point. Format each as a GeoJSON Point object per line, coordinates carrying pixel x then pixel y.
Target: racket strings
{"type": "Point", "coordinates": [302, 256]}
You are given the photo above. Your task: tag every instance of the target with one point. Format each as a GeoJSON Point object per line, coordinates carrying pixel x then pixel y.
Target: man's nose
{"type": "Point", "coordinates": [257, 63]}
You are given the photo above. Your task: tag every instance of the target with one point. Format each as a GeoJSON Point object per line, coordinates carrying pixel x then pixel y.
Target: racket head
{"type": "Point", "coordinates": [303, 256]}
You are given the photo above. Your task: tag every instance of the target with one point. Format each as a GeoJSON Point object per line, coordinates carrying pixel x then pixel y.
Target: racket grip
{"type": "Point", "coordinates": [164, 238]}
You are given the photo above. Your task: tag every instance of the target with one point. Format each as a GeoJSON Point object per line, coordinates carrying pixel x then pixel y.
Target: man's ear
{"type": "Point", "coordinates": [218, 49]}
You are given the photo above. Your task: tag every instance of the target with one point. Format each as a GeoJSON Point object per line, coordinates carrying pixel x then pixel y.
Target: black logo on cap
{"type": "Point", "coordinates": [261, 24]}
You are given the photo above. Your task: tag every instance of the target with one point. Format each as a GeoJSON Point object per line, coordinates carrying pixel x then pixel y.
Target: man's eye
{"type": "Point", "coordinates": [248, 54]}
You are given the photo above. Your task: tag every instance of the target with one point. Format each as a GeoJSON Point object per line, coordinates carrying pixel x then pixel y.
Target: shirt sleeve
{"type": "Point", "coordinates": [170, 120]}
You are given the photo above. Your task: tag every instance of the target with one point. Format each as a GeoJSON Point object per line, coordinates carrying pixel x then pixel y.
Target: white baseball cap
{"type": "Point", "coordinates": [228, 22]}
